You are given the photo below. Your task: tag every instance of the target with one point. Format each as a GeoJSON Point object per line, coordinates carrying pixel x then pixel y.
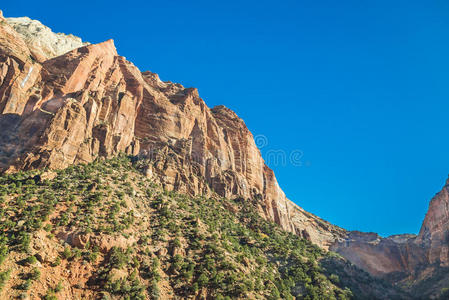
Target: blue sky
{"type": "Point", "coordinates": [359, 87]}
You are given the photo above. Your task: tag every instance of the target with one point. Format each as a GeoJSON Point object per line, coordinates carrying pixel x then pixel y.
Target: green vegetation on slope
{"type": "Point", "coordinates": [131, 239]}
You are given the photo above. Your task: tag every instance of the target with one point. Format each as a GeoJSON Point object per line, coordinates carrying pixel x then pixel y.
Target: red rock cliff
{"type": "Point", "coordinates": [90, 102]}
{"type": "Point", "coordinates": [57, 110]}
{"type": "Point", "coordinates": [407, 260]}
{"type": "Point", "coordinates": [434, 233]}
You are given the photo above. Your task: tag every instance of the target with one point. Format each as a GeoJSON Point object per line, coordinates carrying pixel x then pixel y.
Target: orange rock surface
{"type": "Point", "coordinates": [90, 103]}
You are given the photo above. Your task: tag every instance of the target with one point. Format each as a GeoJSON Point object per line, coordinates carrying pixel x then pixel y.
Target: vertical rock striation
{"type": "Point", "coordinates": [63, 102]}
{"type": "Point", "coordinates": [434, 233]}
{"type": "Point", "coordinates": [89, 102]}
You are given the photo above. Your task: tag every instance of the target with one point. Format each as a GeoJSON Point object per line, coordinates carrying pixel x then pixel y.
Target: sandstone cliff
{"type": "Point", "coordinates": [57, 110]}
{"type": "Point", "coordinates": [434, 233]}
{"type": "Point", "coordinates": [416, 262]}
{"type": "Point", "coordinates": [63, 102]}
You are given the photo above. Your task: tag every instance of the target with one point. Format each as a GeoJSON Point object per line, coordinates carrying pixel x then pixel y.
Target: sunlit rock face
{"type": "Point", "coordinates": [42, 42]}
{"type": "Point", "coordinates": [61, 106]}
{"type": "Point", "coordinates": [63, 102]}
{"type": "Point", "coordinates": [434, 233]}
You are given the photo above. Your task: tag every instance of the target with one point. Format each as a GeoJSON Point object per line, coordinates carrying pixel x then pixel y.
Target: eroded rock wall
{"type": "Point", "coordinates": [417, 263]}
{"type": "Point", "coordinates": [90, 103]}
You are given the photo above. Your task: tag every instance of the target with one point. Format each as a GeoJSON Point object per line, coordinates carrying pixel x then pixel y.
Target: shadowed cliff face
{"type": "Point", "coordinates": [404, 253]}
{"type": "Point", "coordinates": [90, 102]}
{"type": "Point", "coordinates": [381, 256]}
{"type": "Point", "coordinates": [417, 263]}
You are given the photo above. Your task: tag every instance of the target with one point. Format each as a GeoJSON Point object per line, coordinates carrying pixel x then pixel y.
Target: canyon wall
{"type": "Point", "coordinates": [90, 102]}
{"type": "Point", "coordinates": [418, 263]}
{"type": "Point", "coordinates": [65, 102]}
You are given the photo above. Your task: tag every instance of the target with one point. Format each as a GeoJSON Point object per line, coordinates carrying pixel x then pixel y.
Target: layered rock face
{"type": "Point", "coordinates": [63, 102]}
{"type": "Point", "coordinates": [406, 259]}
{"type": "Point", "coordinates": [88, 103]}
{"type": "Point", "coordinates": [381, 256]}
{"type": "Point", "coordinates": [434, 233]}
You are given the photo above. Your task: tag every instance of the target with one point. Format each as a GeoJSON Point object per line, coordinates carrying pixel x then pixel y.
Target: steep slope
{"type": "Point", "coordinates": [434, 231]}
{"type": "Point", "coordinates": [104, 230]}
{"type": "Point", "coordinates": [64, 102]}
{"type": "Point", "coordinates": [90, 102]}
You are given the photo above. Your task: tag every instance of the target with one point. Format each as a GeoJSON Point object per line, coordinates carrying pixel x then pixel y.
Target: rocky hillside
{"type": "Point", "coordinates": [106, 231]}
{"type": "Point", "coordinates": [90, 102]}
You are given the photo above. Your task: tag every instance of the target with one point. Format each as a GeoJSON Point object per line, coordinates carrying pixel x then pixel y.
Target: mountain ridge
{"type": "Point", "coordinates": [90, 103]}
{"type": "Point", "coordinates": [125, 110]}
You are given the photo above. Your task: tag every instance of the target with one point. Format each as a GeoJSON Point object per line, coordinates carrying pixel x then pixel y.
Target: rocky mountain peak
{"type": "Point", "coordinates": [41, 40]}
{"type": "Point", "coordinates": [78, 102]}
{"type": "Point", "coordinates": [65, 102]}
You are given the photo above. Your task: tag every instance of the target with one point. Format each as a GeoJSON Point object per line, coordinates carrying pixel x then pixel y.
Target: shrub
{"type": "Point", "coordinates": [58, 287]}
{"type": "Point", "coordinates": [334, 278]}
{"type": "Point", "coordinates": [31, 260]}
{"type": "Point", "coordinates": [50, 296]}
{"type": "Point", "coordinates": [3, 253]}
{"type": "Point", "coordinates": [26, 285]}
{"type": "Point", "coordinates": [118, 258]}
{"type": "Point", "coordinates": [92, 256]}
{"type": "Point", "coordinates": [35, 274]}
{"type": "Point", "coordinates": [4, 277]}
{"type": "Point", "coordinates": [203, 280]}
{"type": "Point", "coordinates": [154, 290]}
{"type": "Point", "coordinates": [57, 262]}
{"type": "Point", "coordinates": [24, 241]}
{"type": "Point", "coordinates": [67, 253]}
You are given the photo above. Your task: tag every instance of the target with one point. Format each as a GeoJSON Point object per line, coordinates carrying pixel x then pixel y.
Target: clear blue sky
{"type": "Point", "coordinates": [360, 87]}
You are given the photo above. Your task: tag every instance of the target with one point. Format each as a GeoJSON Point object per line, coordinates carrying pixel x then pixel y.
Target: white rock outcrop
{"type": "Point", "coordinates": [42, 41]}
